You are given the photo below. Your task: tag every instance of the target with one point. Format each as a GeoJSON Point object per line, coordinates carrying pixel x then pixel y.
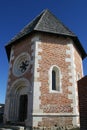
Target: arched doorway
{"type": "Point", "coordinates": [23, 103]}
{"type": "Point", "coordinates": [19, 100]}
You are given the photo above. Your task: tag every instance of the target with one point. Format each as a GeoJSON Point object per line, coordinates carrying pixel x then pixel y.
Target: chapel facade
{"type": "Point", "coordinates": [45, 62]}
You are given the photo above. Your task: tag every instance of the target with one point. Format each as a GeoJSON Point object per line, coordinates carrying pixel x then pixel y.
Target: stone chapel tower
{"type": "Point", "coordinates": [45, 62]}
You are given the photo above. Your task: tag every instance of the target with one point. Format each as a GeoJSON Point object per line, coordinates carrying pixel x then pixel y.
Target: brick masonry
{"type": "Point", "coordinates": [44, 106]}
{"type": "Point", "coordinates": [82, 91]}
{"type": "Point", "coordinates": [54, 53]}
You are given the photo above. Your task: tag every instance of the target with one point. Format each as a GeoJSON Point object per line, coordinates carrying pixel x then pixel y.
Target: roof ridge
{"type": "Point", "coordinates": [67, 27]}
{"type": "Point", "coordinates": [34, 19]}
{"type": "Point", "coordinates": [62, 23]}
{"type": "Point", "coordinates": [58, 21]}
{"type": "Point", "coordinates": [43, 13]}
{"type": "Point", "coordinates": [25, 27]}
{"type": "Point", "coordinates": [46, 22]}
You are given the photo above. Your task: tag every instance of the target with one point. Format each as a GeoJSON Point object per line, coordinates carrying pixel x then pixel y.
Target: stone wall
{"type": "Point", "coordinates": [82, 91]}
{"type": "Point", "coordinates": [60, 52]}
{"type": "Point", "coordinates": [45, 106]}
{"type": "Point", "coordinates": [19, 84]}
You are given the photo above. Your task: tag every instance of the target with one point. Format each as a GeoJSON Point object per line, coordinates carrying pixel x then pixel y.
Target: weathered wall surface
{"type": "Point", "coordinates": [82, 91]}
{"type": "Point", "coordinates": [19, 85]}
{"type": "Point", "coordinates": [58, 51]}
{"type": "Point", "coordinates": [45, 107]}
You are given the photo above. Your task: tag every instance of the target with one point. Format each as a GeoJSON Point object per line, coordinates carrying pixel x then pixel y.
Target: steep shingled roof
{"type": "Point", "coordinates": [45, 22]}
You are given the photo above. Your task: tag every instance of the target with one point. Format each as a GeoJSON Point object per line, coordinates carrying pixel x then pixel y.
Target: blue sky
{"type": "Point", "coordinates": [15, 14]}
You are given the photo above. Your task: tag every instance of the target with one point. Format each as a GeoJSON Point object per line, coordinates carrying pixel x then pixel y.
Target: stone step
{"type": "Point", "coordinates": [11, 127]}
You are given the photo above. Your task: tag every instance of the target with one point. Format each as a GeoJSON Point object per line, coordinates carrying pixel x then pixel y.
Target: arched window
{"type": "Point", "coordinates": [55, 79]}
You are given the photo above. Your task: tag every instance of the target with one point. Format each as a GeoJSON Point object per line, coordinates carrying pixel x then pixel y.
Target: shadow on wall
{"type": "Point", "coordinates": [82, 92]}
{"type": "Point", "coordinates": [1, 112]}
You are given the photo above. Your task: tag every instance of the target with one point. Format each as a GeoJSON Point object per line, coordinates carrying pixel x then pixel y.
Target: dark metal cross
{"type": "Point", "coordinates": [24, 65]}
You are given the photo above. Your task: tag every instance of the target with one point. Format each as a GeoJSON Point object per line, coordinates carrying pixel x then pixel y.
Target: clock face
{"type": "Point", "coordinates": [21, 64]}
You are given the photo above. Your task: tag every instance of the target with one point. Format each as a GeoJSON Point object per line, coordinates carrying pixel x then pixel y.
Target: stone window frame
{"type": "Point", "coordinates": [17, 61]}
{"type": "Point", "coordinates": [58, 76]}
